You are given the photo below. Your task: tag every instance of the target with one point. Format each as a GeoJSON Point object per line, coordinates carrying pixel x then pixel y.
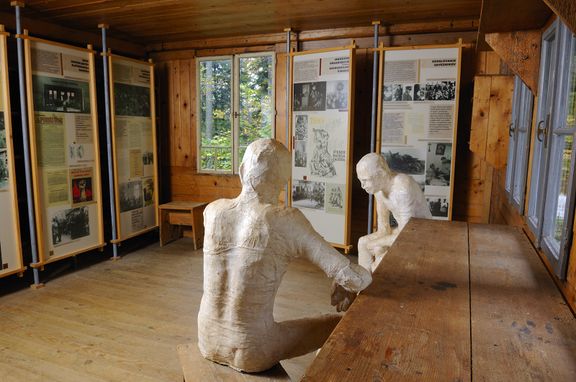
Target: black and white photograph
{"type": "Point", "coordinates": [130, 196]}
{"type": "Point", "coordinates": [4, 172]}
{"type": "Point", "coordinates": [335, 198]}
{"type": "Point", "coordinates": [301, 130]}
{"type": "Point", "coordinates": [409, 161]}
{"type": "Point", "coordinates": [440, 90]}
{"type": "Point", "coordinates": [438, 206]}
{"type": "Point", "coordinates": [438, 164]}
{"type": "Point", "coordinates": [308, 194]}
{"type": "Point", "coordinates": [419, 92]}
{"type": "Point", "coordinates": [147, 158]}
{"type": "Point", "coordinates": [337, 95]}
{"type": "Point", "coordinates": [407, 93]}
{"type": "Point", "coordinates": [322, 163]}
{"type": "Point", "coordinates": [397, 92]}
{"type": "Point", "coordinates": [2, 132]}
{"type": "Point", "coordinates": [300, 155]}
{"type": "Point", "coordinates": [131, 100]}
{"type": "Point", "coordinates": [148, 187]}
{"type": "Point", "coordinates": [59, 95]}
{"type": "Point", "coordinates": [310, 96]}
{"type": "Point", "coordinates": [387, 92]}
{"type": "Point", "coordinates": [69, 225]}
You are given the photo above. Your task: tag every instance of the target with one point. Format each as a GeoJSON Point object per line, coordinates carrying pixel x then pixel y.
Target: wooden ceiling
{"type": "Point", "coordinates": [155, 21]}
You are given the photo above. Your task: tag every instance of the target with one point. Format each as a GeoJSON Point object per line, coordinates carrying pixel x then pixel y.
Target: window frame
{"type": "Point", "coordinates": [234, 108]}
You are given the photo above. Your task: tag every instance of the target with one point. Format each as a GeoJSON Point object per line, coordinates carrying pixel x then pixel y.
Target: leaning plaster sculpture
{"type": "Point", "coordinates": [393, 192]}
{"type": "Point", "coordinates": [248, 244]}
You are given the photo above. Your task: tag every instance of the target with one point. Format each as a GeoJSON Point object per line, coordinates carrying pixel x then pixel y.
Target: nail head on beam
{"type": "Point", "coordinates": [376, 22]}
{"type": "Point", "coordinates": [20, 4]}
{"type": "Point", "coordinates": [103, 26]}
{"type": "Point", "coordinates": [287, 29]}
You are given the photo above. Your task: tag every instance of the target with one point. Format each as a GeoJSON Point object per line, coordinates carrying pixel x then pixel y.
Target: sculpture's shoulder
{"type": "Point", "coordinates": [403, 182]}
{"type": "Point", "coordinates": [283, 215]}
{"type": "Point", "coordinates": [217, 207]}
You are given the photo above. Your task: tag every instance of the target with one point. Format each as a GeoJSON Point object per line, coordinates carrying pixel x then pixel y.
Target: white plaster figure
{"type": "Point", "coordinates": [393, 192]}
{"type": "Point", "coordinates": [249, 242]}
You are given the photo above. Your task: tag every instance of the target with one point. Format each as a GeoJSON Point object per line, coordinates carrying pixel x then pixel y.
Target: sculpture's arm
{"type": "Point", "coordinates": [383, 216]}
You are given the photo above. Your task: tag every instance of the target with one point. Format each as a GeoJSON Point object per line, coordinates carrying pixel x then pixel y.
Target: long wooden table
{"type": "Point", "coordinates": [453, 301]}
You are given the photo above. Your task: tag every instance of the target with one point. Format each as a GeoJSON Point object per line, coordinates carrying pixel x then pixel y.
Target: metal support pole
{"type": "Point", "coordinates": [288, 43]}
{"type": "Point", "coordinates": [373, 118]}
{"type": "Point", "coordinates": [26, 141]}
{"type": "Point", "coordinates": [104, 27]}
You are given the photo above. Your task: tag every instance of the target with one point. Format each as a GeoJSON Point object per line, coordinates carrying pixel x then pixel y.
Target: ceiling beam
{"type": "Point", "coordinates": [445, 26]}
{"type": "Point", "coordinates": [521, 52]}
{"type": "Point", "coordinates": [511, 15]}
{"type": "Point", "coordinates": [47, 30]}
{"type": "Point", "coordinates": [566, 10]}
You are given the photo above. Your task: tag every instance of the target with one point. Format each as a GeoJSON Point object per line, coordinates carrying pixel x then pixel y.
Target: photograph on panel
{"type": "Point", "coordinates": [405, 160]}
{"type": "Point", "coordinates": [308, 194]}
{"type": "Point", "coordinates": [148, 191]}
{"type": "Point", "coordinates": [440, 90]}
{"type": "Point", "coordinates": [337, 95]}
{"type": "Point", "coordinates": [310, 96]}
{"type": "Point", "coordinates": [438, 164]}
{"type": "Point", "coordinates": [322, 162]}
{"type": "Point", "coordinates": [438, 205]}
{"type": "Point", "coordinates": [2, 132]}
{"type": "Point", "coordinates": [300, 155]}
{"type": "Point", "coordinates": [131, 100]}
{"type": "Point", "coordinates": [131, 196]}
{"type": "Point", "coordinates": [4, 171]}
{"type": "Point", "coordinates": [335, 202]}
{"type": "Point", "coordinates": [70, 224]}
{"type": "Point", "coordinates": [301, 129]}
{"type": "Point", "coordinates": [60, 95]}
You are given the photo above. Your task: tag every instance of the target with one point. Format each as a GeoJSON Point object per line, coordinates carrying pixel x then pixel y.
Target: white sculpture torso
{"type": "Point", "coordinates": [249, 242]}
{"type": "Point", "coordinates": [394, 193]}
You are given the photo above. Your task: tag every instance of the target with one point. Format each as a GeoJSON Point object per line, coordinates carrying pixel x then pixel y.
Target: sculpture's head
{"type": "Point", "coordinates": [373, 172]}
{"type": "Point", "coordinates": [265, 167]}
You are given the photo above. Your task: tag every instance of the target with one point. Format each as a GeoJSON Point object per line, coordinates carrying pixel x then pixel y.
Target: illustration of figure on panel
{"type": "Point", "coordinates": [249, 242]}
{"type": "Point", "coordinates": [394, 193]}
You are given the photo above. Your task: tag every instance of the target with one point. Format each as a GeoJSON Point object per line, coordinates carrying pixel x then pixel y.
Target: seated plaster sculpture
{"type": "Point", "coordinates": [394, 193]}
{"type": "Point", "coordinates": [249, 242]}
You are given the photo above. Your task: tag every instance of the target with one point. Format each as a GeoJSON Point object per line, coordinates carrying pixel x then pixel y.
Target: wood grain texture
{"type": "Point", "coordinates": [122, 321]}
{"type": "Point", "coordinates": [480, 115]}
{"type": "Point", "coordinates": [152, 21]}
{"type": "Point", "coordinates": [196, 368]}
{"type": "Point", "coordinates": [501, 91]}
{"type": "Point", "coordinates": [521, 52]}
{"type": "Point", "coordinates": [412, 322]}
{"type": "Point", "coordinates": [522, 329]}
{"type": "Point", "coordinates": [566, 9]}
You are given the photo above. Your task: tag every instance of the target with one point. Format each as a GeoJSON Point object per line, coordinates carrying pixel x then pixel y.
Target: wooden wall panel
{"type": "Point", "coordinates": [501, 91]}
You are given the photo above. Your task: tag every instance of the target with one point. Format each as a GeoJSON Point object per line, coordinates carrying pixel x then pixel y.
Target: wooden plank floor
{"type": "Point", "coordinates": [121, 321]}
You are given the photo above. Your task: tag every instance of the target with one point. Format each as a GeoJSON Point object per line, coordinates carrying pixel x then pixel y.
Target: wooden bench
{"type": "Point", "coordinates": [198, 369]}
{"type": "Point", "coordinates": [179, 219]}
{"type": "Point", "coordinates": [453, 301]}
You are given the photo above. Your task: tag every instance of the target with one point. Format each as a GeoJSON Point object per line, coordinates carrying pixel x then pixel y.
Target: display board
{"type": "Point", "coordinates": [10, 243]}
{"type": "Point", "coordinates": [134, 141]}
{"type": "Point", "coordinates": [65, 156]}
{"type": "Point", "coordinates": [418, 114]}
{"type": "Point", "coordinates": [321, 124]}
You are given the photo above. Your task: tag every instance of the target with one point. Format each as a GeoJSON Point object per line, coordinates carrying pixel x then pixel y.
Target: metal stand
{"type": "Point", "coordinates": [288, 43]}
{"type": "Point", "coordinates": [114, 240]}
{"type": "Point", "coordinates": [26, 142]}
{"type": "Point", "coordinates": [373, 118]}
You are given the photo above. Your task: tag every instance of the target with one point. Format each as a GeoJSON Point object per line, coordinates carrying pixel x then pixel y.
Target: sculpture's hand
{"type": "Point", "coordinates": [341, 298]}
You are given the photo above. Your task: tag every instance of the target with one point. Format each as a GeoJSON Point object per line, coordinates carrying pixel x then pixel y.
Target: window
{"type": "Point", "coordinates": [519, 129]}
{"type": "Point", "coordinates": [235, 98]}
{"type": "Point", "coordinates": [551, 205]}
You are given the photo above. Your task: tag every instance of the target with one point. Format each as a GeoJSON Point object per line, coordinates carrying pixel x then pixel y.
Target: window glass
{"type": "Point", "coordinates": [215, 79]}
